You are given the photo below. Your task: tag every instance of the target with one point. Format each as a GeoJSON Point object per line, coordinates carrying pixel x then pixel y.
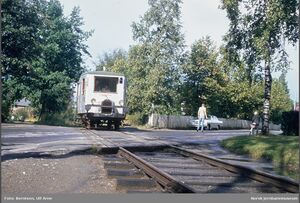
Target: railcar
{"type": "Point", "coordinates": [101, 99]}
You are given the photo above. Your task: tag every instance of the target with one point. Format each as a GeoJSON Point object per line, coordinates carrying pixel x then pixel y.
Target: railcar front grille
{"type": "Point", "coordinates": [107, 109]}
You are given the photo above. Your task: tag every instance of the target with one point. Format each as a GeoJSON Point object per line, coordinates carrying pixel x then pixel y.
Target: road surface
{"type": "Point", "coordinates": [49, 159]}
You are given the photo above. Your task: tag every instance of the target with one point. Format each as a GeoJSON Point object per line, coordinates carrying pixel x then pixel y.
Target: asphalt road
{"type": "Point", "coordinates": [24, 140]}
{"type": "Point", "coordinates": [28, 140]}
{"type": "Point", "coordinates": [21, 140]}
{"type": "Point", "coordinates": [28, 168]}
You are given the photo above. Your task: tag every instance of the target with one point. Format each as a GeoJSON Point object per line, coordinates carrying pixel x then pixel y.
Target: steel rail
{"type": "Point", "coordinates": [173, 185]}
{"type": "Point", "coordinates": [277, 181]}
{"type": "Point", "coordinates": [167, 181]}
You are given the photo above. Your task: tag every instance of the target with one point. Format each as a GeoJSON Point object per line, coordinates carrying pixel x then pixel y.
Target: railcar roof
{"type": "Point", "coordinates": [102, 73]}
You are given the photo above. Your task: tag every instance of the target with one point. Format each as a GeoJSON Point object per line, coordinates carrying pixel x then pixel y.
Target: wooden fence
{"type": "Point", "coordinates": [184, 122]}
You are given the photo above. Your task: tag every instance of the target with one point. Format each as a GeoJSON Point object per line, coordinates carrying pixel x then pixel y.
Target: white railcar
{"type": "Point", "coordinates": [101, 99]}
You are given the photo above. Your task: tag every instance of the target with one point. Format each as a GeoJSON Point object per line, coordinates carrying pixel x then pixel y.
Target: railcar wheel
{"type": "Point", "coordinates": [109, 124]}
{"type": "Point", "coordinates": [117, 125]}
{"type": "Point", "coordinates": [85, 121]}
{"type": "Point", "coordinates": [87, 125]}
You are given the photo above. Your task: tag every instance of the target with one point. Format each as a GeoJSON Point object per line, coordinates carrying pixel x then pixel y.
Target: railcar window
{"type": "Point", "coordinates": [106, 84]}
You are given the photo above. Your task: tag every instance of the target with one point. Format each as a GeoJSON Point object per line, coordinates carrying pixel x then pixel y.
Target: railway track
{"type": "Point", "coordinates": [181, 171]}
{"type": "Point", "coordinates": [172, 169]}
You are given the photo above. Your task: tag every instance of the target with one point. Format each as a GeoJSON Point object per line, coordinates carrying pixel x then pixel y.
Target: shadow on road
{"type": "Point", "coordinates": [47, 155]}
{"type": "Point", "coordinates": [122, 129]}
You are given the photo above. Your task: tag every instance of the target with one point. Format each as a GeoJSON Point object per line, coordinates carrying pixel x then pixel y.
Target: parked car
{"type": "Point", "coordinates": [212, 122]}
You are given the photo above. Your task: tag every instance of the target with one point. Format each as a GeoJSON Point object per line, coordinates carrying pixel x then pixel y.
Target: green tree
{"type": "Point", "coordinates": [63, 40]}
{"type": "Point", "coordinates": [243, 92]}
{"type": "Point", "coordinates": [112, 61]}
{"type": "Point", "coordinates": [19, 46]}
{"type": "Point", "coordinates": [137, 84]}
{"type": "Point", "coordinates": [210, 78]}
{"type": "Point", "coordinates": [42, 53]}
{"type": "Point", "coordinates": [158, 33]}
{"type": "Point", "coordinates": [203, 78]}
{"type": "Point", "coordinates": [258, 32]}
{"type": "Point", "coordinates": [53, 94]}
{"type": "Point", "coordinates": [282, 80]}
{"type": "Point", "coordinates": [61, 64]}
{"type": "Point", "coordinates": [245, 100]}
{"type": "Point", "coordinates": [281, 101]}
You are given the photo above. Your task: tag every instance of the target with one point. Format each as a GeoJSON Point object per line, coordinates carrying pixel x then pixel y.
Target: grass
{"type": "Point", "coordinates": [283, 151]}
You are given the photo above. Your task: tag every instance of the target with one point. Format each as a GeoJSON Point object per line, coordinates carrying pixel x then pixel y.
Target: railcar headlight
{"type": "Point", "coordinates": [93, 101]}
{"type": "Point", "coordinates": [121, 102]}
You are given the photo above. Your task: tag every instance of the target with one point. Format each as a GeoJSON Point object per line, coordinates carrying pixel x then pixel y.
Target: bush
{"type": "Point", "coordinates": [136, 119]}
{"type": "Point", "coordinates": [66, 118]}
{"type": "Point", "coordinates": [290, 123]}
{"type": "Point", "coordinates": [21, 114]}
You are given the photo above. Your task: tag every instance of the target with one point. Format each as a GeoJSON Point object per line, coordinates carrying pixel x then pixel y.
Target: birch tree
{"type": "Point", "coordinates": [258, 34]}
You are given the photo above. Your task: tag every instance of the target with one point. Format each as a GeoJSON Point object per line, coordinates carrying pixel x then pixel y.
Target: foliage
{"type": "Point", "coordinates": [208, 79]}
{"type": "Point", "coordinates": [136, 119]}
{"type": "Point", "coordinates": [132, 65]}
{"type": "Point", "coordinates": [55, 95]}
{"type": "Point", "coordinates": [11, 90]}
{"type": "Point", "coordinates": [227, 91]}
{"type": "Point", "coordinates": [257, 35]}
{"type": "Point", "coordinates": [43, 49]}
{"type": "Point", "coordinates": [64, 118]}
{"type": "Point", "coordinates": [21, 114]}
{"type": "Point", "coordinates": [240, 101]}
{"type": "Point", "coordinates": [136, 73]}
{"type": "Point", "coordinates": [20, 36]}
{"type": "Point", "coordinates": [281, 101]}
{"type": "Point", "coordinates": [290, 123]}
{"type": "Point", "coordinates": [283, 151]}
{"type": "Point", "coordinates": [42, 52]}
{"type": "Point", "coordinates": [162, 47]}
{"type": "Point", "coordinates": [152, 66]}
{"type": "Point", "coordinates": [243, 100]}
{"type": "Point", "coordinates": [112, 61]}
{"type": "Point", "coordinates": [203, 79]}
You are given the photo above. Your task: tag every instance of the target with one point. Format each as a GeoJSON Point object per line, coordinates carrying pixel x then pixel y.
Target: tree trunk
{"type": "Point", "coordinates": [42, 112]}
{"type": "Point", "coordinates": [267, 98]}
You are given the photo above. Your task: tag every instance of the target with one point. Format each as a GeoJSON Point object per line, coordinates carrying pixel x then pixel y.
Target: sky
{"type": "Point", "coordinates": [111, 21]}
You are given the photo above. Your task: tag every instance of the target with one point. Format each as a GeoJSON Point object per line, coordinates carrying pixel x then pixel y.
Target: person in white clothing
{"type": "Point", "coordinates": [201, 116]}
